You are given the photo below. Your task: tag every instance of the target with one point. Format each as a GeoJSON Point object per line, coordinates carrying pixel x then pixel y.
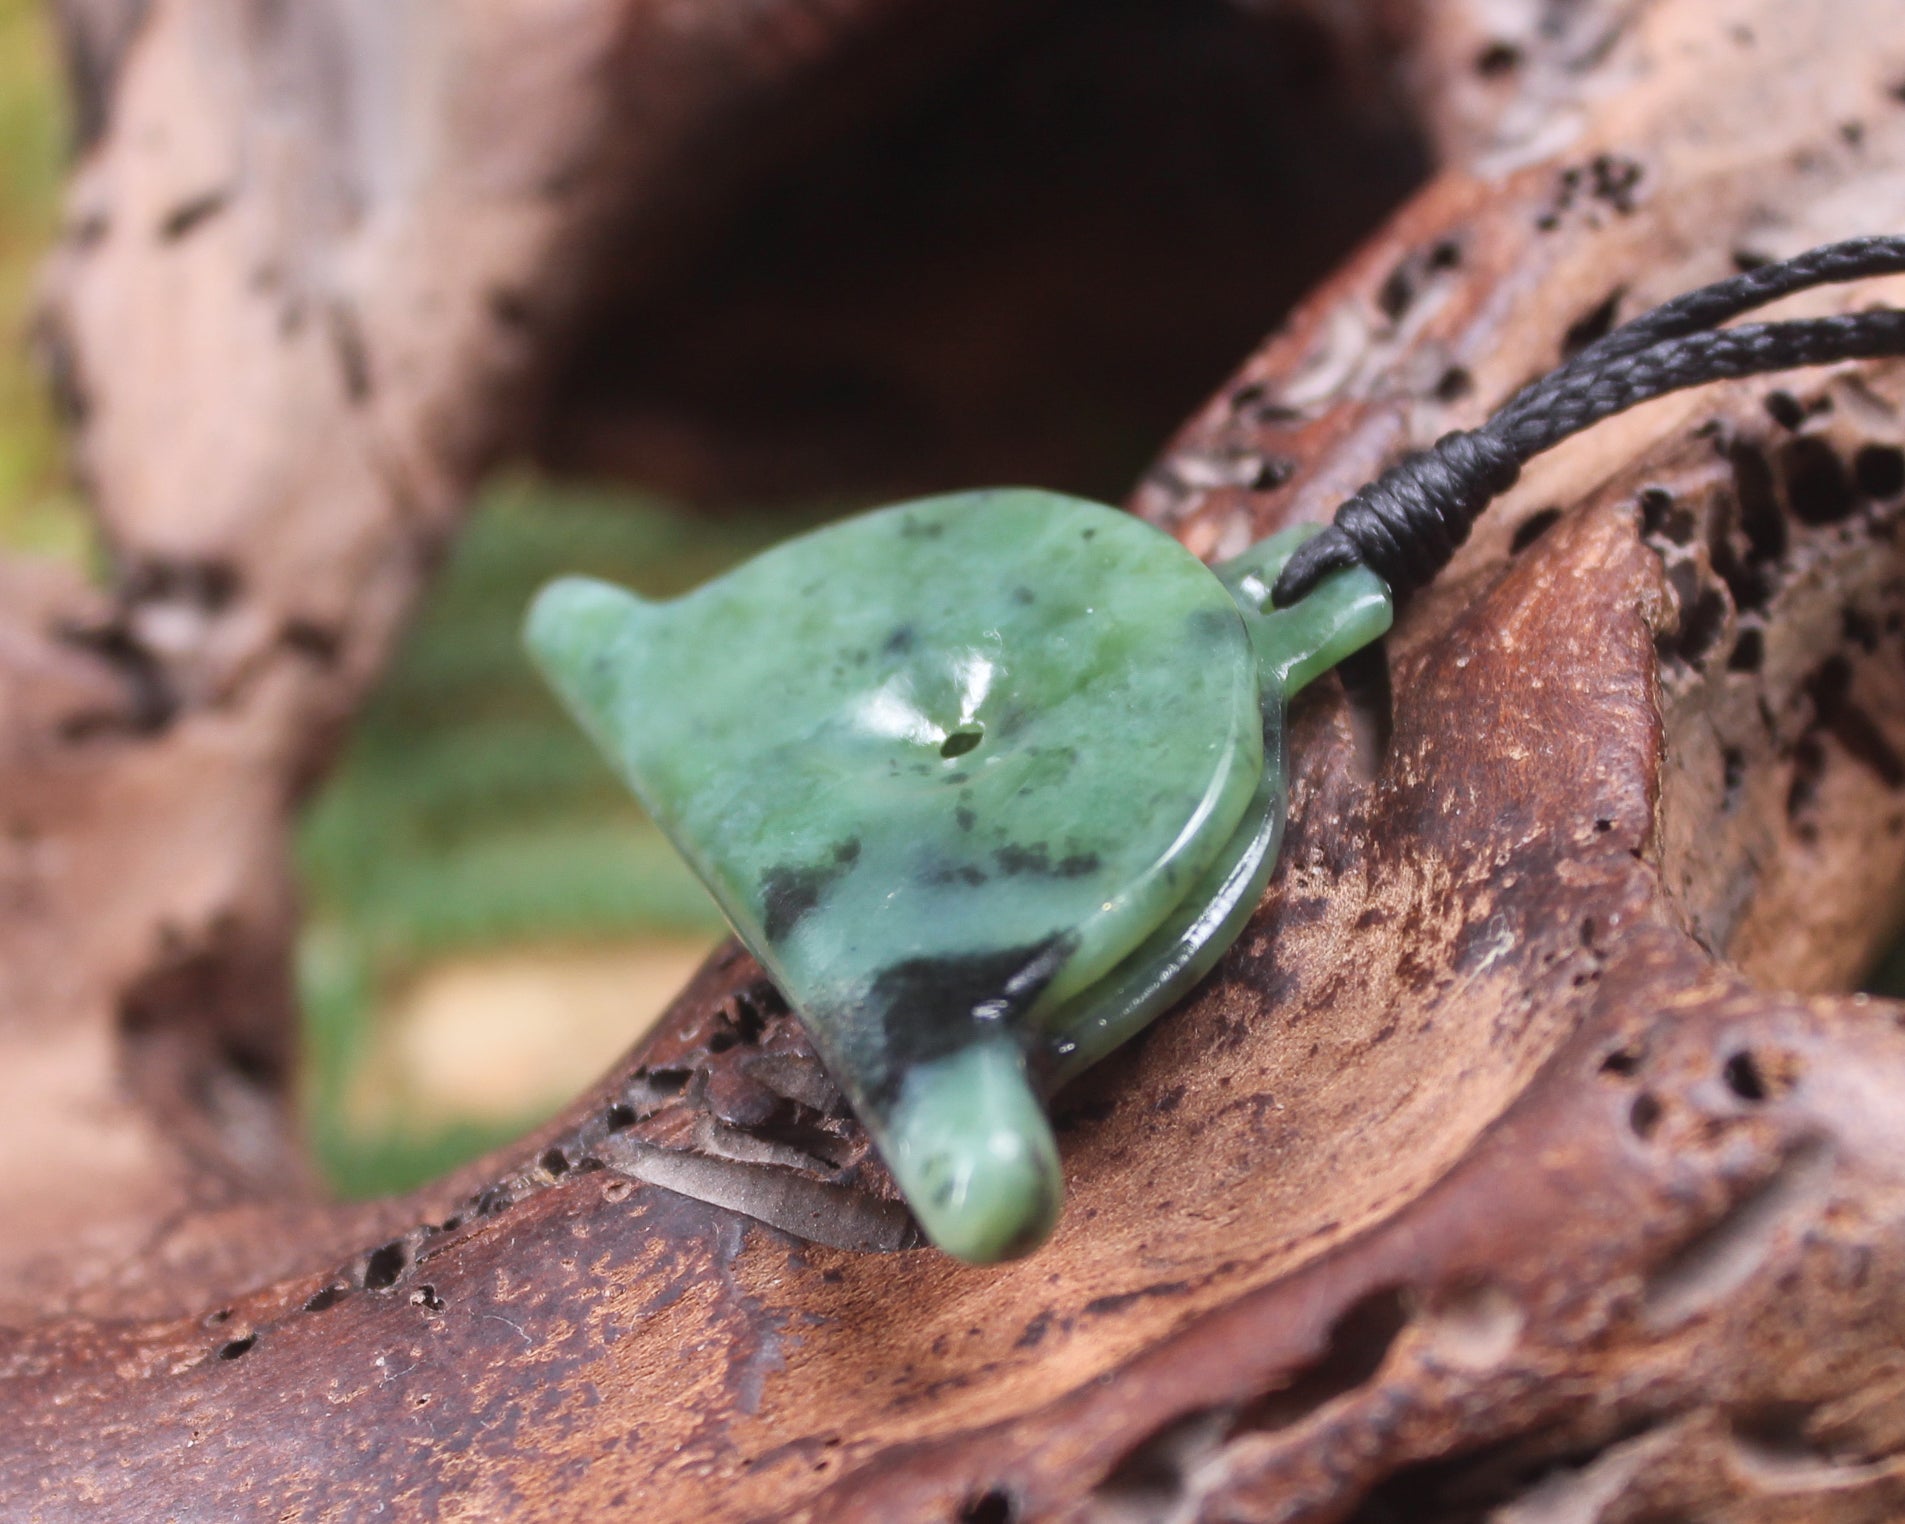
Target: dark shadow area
{"type": "Point", "coordinates": [1029, 264]}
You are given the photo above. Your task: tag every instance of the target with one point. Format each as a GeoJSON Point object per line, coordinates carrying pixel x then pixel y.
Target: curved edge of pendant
{"type": "Point", "coordinates": [1184, 947]}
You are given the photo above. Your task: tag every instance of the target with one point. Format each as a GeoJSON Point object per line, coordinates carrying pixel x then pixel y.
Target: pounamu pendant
{"type": "Point", "coordinates": [985, 782]}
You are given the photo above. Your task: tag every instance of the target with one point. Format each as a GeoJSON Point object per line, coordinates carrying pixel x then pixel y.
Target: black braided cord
{"type": "Point", "coordinates": [1407, 524]}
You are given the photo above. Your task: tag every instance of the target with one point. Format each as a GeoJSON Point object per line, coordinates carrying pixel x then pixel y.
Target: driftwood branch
{"type": "Point", "coordinates": [1522, 1162]}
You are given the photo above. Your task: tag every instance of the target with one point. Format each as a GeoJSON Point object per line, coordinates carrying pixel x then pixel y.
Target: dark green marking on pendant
{"type": "Point", "coordinates": [983, 782]}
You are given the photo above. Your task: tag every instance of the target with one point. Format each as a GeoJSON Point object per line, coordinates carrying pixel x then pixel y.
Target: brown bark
{"type": "Point", "coordinates": [1521, 1162]}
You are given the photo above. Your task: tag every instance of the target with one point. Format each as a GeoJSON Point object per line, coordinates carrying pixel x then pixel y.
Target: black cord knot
{"type": "Point", "coordinates": [1408, 522]}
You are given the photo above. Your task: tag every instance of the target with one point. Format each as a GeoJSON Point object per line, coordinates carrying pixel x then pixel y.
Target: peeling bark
{"type": "Point", "coordinates": [1524, 1161]}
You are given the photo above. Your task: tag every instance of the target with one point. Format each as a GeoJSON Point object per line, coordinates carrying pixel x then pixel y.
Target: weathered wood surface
{"type": "Point", "coordinates": [1522, 1162]}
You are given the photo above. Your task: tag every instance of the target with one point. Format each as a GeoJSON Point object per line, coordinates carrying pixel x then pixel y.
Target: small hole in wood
{"type": "Point", "coordinates": [1533, 528]}
{"type": "Point", "coordinates": [1396, 293]}
{"type": "Point", "coordinates": [992, 1506]}
{"type": "Point", "coordinates": [383, 1267]}
{"type": "Point", "coordinates": [1817, 483]}
{"type": "Point", "coordinates": [1784, 409]}
{"type": "Point", "coordinates": [1497, 59]}
{"type": "Point", "coordinates": [1592, 324]}
{"type": "Point", "coordinates": [1879, 470]}
{"type": "Point", "coordinates": [1760, 515]}
{"type": "Point", "coordinates": [1743, 1078]}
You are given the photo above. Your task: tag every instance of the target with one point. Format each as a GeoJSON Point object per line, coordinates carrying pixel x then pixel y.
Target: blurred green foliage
{"type": "Point", "coordinates": [38, 511]}
{"type": "Point", "coordinates": [469, 813]}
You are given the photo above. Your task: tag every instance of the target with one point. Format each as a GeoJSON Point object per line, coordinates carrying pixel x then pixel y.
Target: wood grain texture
{"type": "Point", "coordinates": [1525, 1160]}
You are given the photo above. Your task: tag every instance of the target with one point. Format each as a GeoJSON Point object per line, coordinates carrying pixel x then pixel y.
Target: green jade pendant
{"type": "Point", "coordinates": [985, 781]}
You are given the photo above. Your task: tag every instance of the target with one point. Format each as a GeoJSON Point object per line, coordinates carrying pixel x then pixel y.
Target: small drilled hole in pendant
{"type": "Point", "coordinates": [960, 742]}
